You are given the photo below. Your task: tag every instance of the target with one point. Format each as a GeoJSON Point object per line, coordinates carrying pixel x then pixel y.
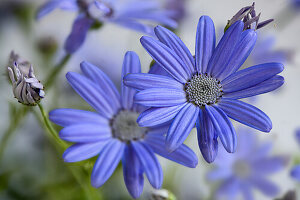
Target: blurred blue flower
{"type": "Point", "coordinates": [112, 132]}
{"type": "Point", "coordinates": [295, 172]}
{"type": "Point", "coordinates": [130, 14]}
{"type": "Point", "coordinates": [247, 169]}
{"type": "Point", "coordinates": [295, 3]}
{"type": "Point", "coordinates": [205, 90]}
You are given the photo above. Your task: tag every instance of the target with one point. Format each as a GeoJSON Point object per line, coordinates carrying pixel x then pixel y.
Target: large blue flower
{"type": "Point", "coordinates": [247, 169]}
{"type": "Point", "coordinates": [112, 131]}
{"type": "Point", "coordinates": [130, 14]}
{"type": "Point", "coordinates": [205, 90]}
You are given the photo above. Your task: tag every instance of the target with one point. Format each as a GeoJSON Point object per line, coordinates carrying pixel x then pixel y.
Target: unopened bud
{"type": "Point", "coordinates": [248, 16]}
{"type": "Point", "coordinates": [26, 87]}
{"type": "Point", "coordinates": [162, 195]}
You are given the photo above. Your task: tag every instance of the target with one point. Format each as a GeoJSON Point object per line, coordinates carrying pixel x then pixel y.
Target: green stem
{"type": "Point", "coordinates": [56, 71]}
{"type": "Point", "coordinates": [50, 128]}
{"type": "Point", "coordinates": [17, 119]}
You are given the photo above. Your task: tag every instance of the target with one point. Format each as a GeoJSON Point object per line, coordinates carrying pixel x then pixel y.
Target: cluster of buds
{"type": "Point", "coordinates": [26, 87]}
{"type": "Point", "coordinates": [249, 17]}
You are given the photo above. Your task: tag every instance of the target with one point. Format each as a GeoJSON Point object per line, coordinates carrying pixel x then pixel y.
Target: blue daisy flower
{"type": "Point", "coordinates": [131, 14]}
{"type": "Point", "coordinates": [205, 90]}
{"type": "Point", "coordinates": [112, 131]}
{"type": "Point", "coordinates": [247, 169]}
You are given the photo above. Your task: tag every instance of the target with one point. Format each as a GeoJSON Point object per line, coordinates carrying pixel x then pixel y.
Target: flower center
{"type": "Point", "coordinates": [125, 128]}
{"type": "Point", "coordinates": [203, 90]}
{"type": "Point", "coordinates": [242, 169]}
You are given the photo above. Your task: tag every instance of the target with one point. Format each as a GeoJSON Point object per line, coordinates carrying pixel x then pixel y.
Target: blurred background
{"type": "Point", "coordinates": [30, 166]}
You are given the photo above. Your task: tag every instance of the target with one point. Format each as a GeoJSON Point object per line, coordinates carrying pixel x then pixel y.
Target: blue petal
{"type": "Point", "coordinates": [174, 42]}
{"type": "Point", "coordinates": [157, 116]}
{"type": "Point", "coordinates": [134, 25]}
{"type": "Point", "coordinates": [225, 48]}
{"type": "Point", "coordinates": [66, 117]}
{"type": "Point", "coordinates": [146, 81]}
{"type": "Point", "coordinates": [131, 64]}
{"type": "Point", "coordinates": [54, 4]}
{"type": "Point", "coordinates": [150, 164]}
{"type": "Point", "coordinates": [102, 80]}
{"type": "Point", "coordinates": [90, 93]}
{"type": "Point", "coordinates": [250, 77]}
{"type": "Point", "coordinates": [107, 162]}
{"type": "Point", "coordinates": [181, 126]}
{"type": "Point", "coordinates": [223, 127]}
{"type": "Point", "coordinates": [82, 151]}
{"type": "Point", "coordinates": [246, 190]}
{"type": "Point", "coordinates": [85, 133]}
{"type": "Point", "coordinates": [295, 173]}
{"type": "Point", "coordinates": [269, 165]}
{"type": "Point", "coordinates": [229, 188]}
{"type": "Point", "coordinates": [160, 97]}
{"type": "Point", "coordinates": [265, 186]}
{"type": "Point", "coordinates": [78, 34]}
{"type": "Point", "coordinates": [246, 114]}
{"type": "Point", "coordinates": [183, 155]}
{"type": "Point", "coordinates": [205, 43]}
{"type": "Point", "coordinates": [261, 88]}
{"type": "Point", "coordinates": [133, 172]}
{"type": "Point", "coordinates": [157, 69]}
{"type": "Point", "coordinates": [166, 58]}
{"type": "Point", "coordinates": [241, 52]}
{"type": "Point", "coordinates": [207, 138]}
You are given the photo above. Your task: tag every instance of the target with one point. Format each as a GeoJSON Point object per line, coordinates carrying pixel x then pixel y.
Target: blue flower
{"type": "Point", "coordinates": [247, 169]}
{"type": "Point", "coordinates": [205, 90]}
{"type": "Point", "coordinates": [112, 131]}
{"type": "Point", "coordinates": [130, 14]}
{"type": "Point", "coordinates": [295, 172]}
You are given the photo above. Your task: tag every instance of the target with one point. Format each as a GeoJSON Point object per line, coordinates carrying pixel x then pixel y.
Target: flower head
{"type": "Point", "coordinates": [26, 87]}
{"type": "Point", "coordinates": [130, 14]}
{"type": "Point", "coordinates": [249, 17]}
{"type": "Point", "coordinates": [112, 131]}
{"type": "Point", "coordinates": [247, 169]}
{"type": "Point", "coordinates": [205, 90]}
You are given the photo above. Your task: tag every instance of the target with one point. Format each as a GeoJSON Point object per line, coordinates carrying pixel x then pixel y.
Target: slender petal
{"type": "Point", "coordinates": [229, 188]}
{"type": "Point", "coordinates": [107, 162]}
{"type": "Point", "coordinates": [160, 97]}
{"type": "Point", "coordinates": [295, 173]}
{"type": "Point", "coordinates": [241, 52]}
{"type": "Point", "coordinates": [207, 138]}
{"type": "Point", "coordinates": [131, 64]}
{"type": "Point", "coordinates": [86, 132]}
{"type": "Point", "coordinates": [54, 4]}
{"type": "Point", "coordinates": [183, 155]}
{"type": "Point", "coordinates": [261, 88]}
{"type": "Point", "coordinates": [150, 164]}
{"type": "Point", "coordinates": [103, 81]}
{"type": "Point", "coordinates": [251, 76]}
{"type": "Point", "coordinates": [159, 70]}
{"type": "Point", "coordinates": [246, 190]}
{"type": "Point", "coordinates": [167, 58]}
{"type": "Point", "coordinates": [134, 25]}
{"type": "Point", "coordinates": [205, 43]}
{"type": "Point", "coordinates": [223, 127]}
{"type": "Point", "coordinates": [269, 165]}
{"type": "Point", "coordinates": [174, 42]}
{"type": "Point", "coordinates": [78, 34]}
{"type": "Point", "coordinates": [66, 117]}
{"type": "Point", "coordinates": [264, 185]}
{"type": "Point", "coordinates": [225, 48]}
{"type": "Point", "coordinates": [147, 81]}
{"type": "Point", "coordinates": [90, 93]}
{"type": "Point", "coordinates": [246, 114]}
{"type": "Point", "coordinates": [157, 116]}
{"type": "Point", "coordinates": [133, 172]}
{"type": "Point", "coordinates": [82, 151]}
{"type": "Point", "coordinates": [181, 126]}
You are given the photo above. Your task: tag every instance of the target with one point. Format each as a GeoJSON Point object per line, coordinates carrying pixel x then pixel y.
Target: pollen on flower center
{"type": "Point", "coordinates": [203, 90]}
{"type": "Point", "coordinates": [125, 128]}
{"type": "Point", "coordinates": [241, 169]}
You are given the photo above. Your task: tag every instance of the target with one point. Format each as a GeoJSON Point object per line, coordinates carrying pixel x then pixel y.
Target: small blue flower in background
{"type": "Point", "coordinates": [131, 14]}
{"type": "Point", "coordinates": [113, 133]}
{"type": "Point", "coordinates": [295, 3]}
{"type": "Point", "coordinates": [247, 169]}
{"type": "Point", "coordinates": [295, 172]}
{"type": "Point", "coordinates": [205, 90]}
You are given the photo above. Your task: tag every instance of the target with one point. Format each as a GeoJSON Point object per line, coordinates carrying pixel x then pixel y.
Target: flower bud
{"type": "Point", "coordinates": [162, 194]}
{"type": "Point", "coordinates": [26, 87]}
